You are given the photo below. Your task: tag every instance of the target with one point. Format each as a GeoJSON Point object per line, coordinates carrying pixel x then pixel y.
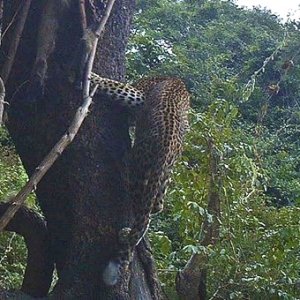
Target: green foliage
{"type": "Point", "coordinates": [258, 256]}
{"type": "Point", "coordinates": [229, 57]}
{"type": "Point", "coordinates": [13, 251]}
{"type": "Point", "coordinates": [258, 253]}
{"type": "Point", "coordinates": [12, 175]}
{"type": "Point", "coordinates": [13, 260]}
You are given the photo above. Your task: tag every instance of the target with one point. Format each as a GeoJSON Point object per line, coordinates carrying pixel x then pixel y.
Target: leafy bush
{"type": "Point", "coordinates": [13, 251]}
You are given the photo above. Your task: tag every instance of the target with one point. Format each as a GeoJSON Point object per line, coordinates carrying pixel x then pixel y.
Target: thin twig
{"type": "Point", "coordinates": [2, 97]}
{"type": "Point", "coordinates": [15, 40]}
{"type": "Point", "coordinates": [98, 32]}
{"type": "Point", "coordinates": [61, 145]}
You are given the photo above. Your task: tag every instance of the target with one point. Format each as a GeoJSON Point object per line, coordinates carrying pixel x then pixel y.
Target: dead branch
{"type": "Point", "coordinates": [65, 140]}
{"type": "Point", "coordinates": [91, 58]}
{"type": "Point", "coordinates": [15, 39]}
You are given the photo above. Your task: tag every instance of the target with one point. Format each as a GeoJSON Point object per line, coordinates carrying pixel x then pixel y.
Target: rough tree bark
{"type": "Point", "coordinates": [83, 195]}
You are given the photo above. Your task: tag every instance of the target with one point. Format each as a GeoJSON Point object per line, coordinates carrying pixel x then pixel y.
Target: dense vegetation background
{"type": "Point", "coordinates": [242, 67]}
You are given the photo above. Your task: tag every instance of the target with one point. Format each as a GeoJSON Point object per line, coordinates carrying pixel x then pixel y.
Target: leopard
{"type": "Point", "coordinates": [161, 122]}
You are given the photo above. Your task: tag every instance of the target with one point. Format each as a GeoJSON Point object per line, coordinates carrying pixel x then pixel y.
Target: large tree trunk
{"type": "Point", "coordinates": [83, 195]}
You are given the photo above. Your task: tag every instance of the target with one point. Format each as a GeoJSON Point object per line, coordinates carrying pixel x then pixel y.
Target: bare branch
{"type": "Point", "coordinates": [65, 140]}
{"type": "Point", "coordinates": [90, 62]}
{"type": "Point", "coordinates": [13, 47]}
